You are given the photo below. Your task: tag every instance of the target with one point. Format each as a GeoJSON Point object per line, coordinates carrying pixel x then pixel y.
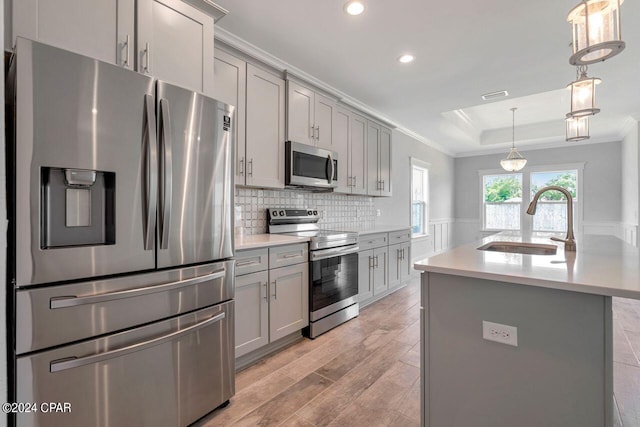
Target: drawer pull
{"type": "Point", "coordinates": [72, 301]}
{"type": "Point", "coordinates": [245, 263]}
{"type": "Point", "coordinates": [292, 255]}
{"type": "Point", "coordinates": [70, 363]}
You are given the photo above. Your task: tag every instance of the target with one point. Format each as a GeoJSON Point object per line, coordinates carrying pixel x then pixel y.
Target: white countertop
{"type": "Point", "coordinates": [255, 241]}
{"type": "Point", "coordinates": [383, 229]}
{"type": "Point", "coordinates": [602, 265]}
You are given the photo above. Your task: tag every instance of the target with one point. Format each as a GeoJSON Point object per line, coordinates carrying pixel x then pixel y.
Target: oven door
{"type": "Point", "coordinates": [310, 166]}
{"type": "Point", "coordinates": [334, 284]}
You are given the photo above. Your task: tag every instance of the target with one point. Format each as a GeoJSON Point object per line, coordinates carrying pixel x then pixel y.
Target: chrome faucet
{"type": "Point", "coordinates": [569, 241]}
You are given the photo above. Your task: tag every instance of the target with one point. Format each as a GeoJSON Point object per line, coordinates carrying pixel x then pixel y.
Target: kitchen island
{"type": "Point", "coordinates": [545, 358]}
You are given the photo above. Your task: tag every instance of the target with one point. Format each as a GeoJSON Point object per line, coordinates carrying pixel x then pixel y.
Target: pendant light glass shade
{"type": "Point", "coordinates": [514, 161]}
{"type": "Point", "coordinates": [583, 95]}
{"type": "Point", "coordinates": [577, 128]}
{"type": "Point", "coordinates": [595, 27]}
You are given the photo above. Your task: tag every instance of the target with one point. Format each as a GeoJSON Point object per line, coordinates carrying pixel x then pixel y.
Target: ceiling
{"type": "Point", "coordinates": [463, 49]}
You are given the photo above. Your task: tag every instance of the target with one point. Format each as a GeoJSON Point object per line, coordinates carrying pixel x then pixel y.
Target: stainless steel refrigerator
{"type": "Point", "coordinates": [120, 190]}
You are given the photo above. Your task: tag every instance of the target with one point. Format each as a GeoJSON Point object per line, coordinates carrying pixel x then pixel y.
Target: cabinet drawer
{"type": "Point", "coordinates": [251, 261]}
{"type": "Point", "coordinates": [371, 241]}
{"type": "Point", "coordinates": [281, 256]}
{"type": "Point", "coordinates": [399, 236]}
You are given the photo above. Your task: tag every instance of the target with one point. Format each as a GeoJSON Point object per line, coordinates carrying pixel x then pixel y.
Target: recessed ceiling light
{"type": "Point", "coordinates": [354, 7]}
{"type": "Point", "coordinates": [406, 58]}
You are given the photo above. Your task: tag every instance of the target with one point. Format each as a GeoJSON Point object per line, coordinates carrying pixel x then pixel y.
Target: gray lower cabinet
{"type": "Point", "coordinates": [252, 319]}
{"type": "Point", "coordinates": [399, 265]}
{"type": "Point", "coordinates": [274, 302]}
{"type": "Point", "coordinates": [384, 264]}
{"type": "Point", "coordinates": [372, 273]}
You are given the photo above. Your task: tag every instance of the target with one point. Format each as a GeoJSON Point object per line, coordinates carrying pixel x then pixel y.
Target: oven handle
{"type": "Point", "coordinates": [72, 301]}
{"type": "Point", "coordinates": [67, 363]}
{"type": "Point", "coordinates": [333, 252]}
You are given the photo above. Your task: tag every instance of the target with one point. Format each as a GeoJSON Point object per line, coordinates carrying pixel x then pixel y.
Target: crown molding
{"type": "Point", "coordinates": [267, 58]}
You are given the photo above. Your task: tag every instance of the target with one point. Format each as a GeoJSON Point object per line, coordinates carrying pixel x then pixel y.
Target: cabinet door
{"type": "Point", "coordinates": [395, 267]}
{"type": "Point", "coordinates": [384, 161]}
{"type": "Point", "coordinates": [405, 262]}
{"type": "Point", "coordinates": [289, 300]}
{"type": "Point", "coordinates": [358, 154]}
{"type": "Point", "coordinates": [252, 312]}
{"type": "Point", "coordinates": [96, 28]}
{"type": "Point", "coordinates": [300, 114]}
{"type": "Point", "coordinates": [380, 270]}
{"type": "Point", "coordinates": [373, 177]}
{"type": "Point", "coordinates": [325, 112]}
{"type": "Point", "coordinates": [265, 129]}
{"type": "Point", "coordinates": [175, 44]}
{"type": "Point", "coordinates": [365, 277]}
{"type": "Point", "coordinates": [341, 133]}
{"type": "Point", "coordinates": [230, 84]}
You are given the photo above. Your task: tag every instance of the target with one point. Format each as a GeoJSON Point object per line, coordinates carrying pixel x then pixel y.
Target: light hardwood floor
{"type": "Point", "coordinates": [366, 373]}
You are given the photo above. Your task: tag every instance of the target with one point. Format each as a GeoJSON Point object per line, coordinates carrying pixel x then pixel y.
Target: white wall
{"type": "Point", "coordinates": [396, 210]}
{"type": "Point", "coordinates": [630, 192]}
{"type": "Point", "coordinates": [601, 184]}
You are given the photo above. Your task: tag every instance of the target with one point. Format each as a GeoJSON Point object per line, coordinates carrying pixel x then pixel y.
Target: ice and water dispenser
{"type": "Point", "coordinates": [78, 207]}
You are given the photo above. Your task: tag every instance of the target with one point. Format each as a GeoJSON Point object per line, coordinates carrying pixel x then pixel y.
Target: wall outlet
{"type": "Point", "coordinates": [503, 334]}
{"type": "Point", "coordinates": [378, 212]}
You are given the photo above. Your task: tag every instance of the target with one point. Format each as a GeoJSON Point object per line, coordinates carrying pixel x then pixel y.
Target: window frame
{"type": "Point", "coordinates": [526, 221]}
{"type": "Point", "coordinates": [426, 168]}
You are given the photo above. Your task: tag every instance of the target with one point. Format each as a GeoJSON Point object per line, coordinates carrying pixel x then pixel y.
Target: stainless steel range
{"type": "Point", "coordinates": [333, 275]}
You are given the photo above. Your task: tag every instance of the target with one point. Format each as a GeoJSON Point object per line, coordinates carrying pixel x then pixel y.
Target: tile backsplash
{"type": "Point", "coordinates": [338, 211]}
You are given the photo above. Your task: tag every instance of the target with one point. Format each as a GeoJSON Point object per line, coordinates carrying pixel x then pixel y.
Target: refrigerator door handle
{"type": "Point", "coordinates": [166, 173]}
{"type": "Point", "coordinates": [72, 301]}
{"type": "Point", "coordinates": [150, 173]}
{"type": "Point", "coordinates": [70, 363]}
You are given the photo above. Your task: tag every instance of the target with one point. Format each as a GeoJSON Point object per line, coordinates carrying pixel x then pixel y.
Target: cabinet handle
{"type": "Point", "coordinates": [318, 135]}
{"type": "Point", "coordinates": [242, 166]}
{"type": "Point", "coordinates": [383, 185]}
{"type": "Point", "coordinates": [250, 171]}
{"type": "Point", "coordinates": [266, 290]}
{"type": "Point", "coordinates": [147, 58]}
{"type": "Point", "coordinates": [350, 181]}
{"type": "Point", "coordinates": [292, 255]}
{"type": "Point", "coordinates": [275, 290]}
{"type": "Point", "coordinates": [376, 263]}
{"type": "Point", "coordinates": [355, 180]}
{"type": "Point", "coordinates": [125, 61]}
{"type": "Point", "coordinates": [313, 132]}
{"type": "Point", "coordinates": [370, 264]}
{"type": "Point", "coordinates": [245, 263]}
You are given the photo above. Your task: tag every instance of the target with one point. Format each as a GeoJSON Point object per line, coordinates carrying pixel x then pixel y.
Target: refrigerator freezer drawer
{"type": "Point", "coordinates": [61, 314]}
{"type": "Point", "coordinates": [169, 373]}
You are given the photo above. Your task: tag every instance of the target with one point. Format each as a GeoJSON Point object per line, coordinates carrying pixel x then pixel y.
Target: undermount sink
{"type": "Point", "coordinates": [520, 248]}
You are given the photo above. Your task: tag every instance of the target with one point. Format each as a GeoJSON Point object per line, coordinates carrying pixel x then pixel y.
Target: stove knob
{"type": "Point", "coordinates": [274, 213]}
{"type": "Point", "coordinates": [281, 213]}
{"type": "Point", "coordinates": [309, 212]}
{"type": "Point", "coordinates": [315, 212]}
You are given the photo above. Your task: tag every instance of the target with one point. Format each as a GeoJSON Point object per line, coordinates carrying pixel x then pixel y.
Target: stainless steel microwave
{"type": "Point", "coordinates": [309, 166]}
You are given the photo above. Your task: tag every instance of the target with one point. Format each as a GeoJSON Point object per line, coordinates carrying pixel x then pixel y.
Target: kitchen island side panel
{"type": "Point", "coordinates": [558, 375]}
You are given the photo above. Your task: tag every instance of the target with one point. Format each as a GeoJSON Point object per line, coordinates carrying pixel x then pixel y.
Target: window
{"type": "Point", "coordinates": [502, 195]}
{"type": "Point", "coordinates": [419, 197]}
{"type": "Point", "coordinates": [551, 213]}
{"type": "Point", "coordinates": [506, 196]}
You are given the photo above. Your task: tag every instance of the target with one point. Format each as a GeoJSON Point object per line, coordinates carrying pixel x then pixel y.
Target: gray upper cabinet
{"type": "Point", "coordinates": [378, 160]}
{"type": "Point", "coordinates": [102, 29]}
{"type": "Point", "coordinates": [230, 84]}
{"type": "Point", "coordinates": [169, 39]}
{"type": "Point", "coordinates": [350, 141]}
{"type": "Point", "coordinates": [264, 161]}
{"type": "Point", "coordinates": [310, 116]}
{"type": "Point", "coordinates": [175, 43]}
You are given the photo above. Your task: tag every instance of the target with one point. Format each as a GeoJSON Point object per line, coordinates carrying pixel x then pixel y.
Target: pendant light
{"type": "Point", "coordinates": [577, 128]}
{"type": "Point", "coordinates": [514, 161]}
{"type": "Point", "coordinates": [583, 94]}
{"type": "Point", "coordinates": [595, 27]}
